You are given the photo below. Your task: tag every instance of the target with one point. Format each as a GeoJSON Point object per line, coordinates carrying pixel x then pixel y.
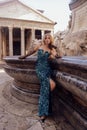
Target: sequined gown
{"type": "Point", "coordinates": [44, 71]}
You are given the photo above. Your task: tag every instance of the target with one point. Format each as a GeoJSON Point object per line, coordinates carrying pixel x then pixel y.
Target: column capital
{"type": "Point", "coordinates": [10, 27]}
{"type": "Point", "coordinates": [22, 28]}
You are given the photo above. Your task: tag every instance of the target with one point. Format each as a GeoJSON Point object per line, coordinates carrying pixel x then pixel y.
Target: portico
{"type": "Point", "coordinates": [16, 34]}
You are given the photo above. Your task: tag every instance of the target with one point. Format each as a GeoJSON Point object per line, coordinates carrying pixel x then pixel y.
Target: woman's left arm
{"type": "Point", "coordinates": [54, 54]}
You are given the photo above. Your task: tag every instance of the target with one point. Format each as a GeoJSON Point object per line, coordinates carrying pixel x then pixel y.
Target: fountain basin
{"type": "Point", "coordinates": [25, 84]}
{"type": "Point", "coordinates": [70, 75]}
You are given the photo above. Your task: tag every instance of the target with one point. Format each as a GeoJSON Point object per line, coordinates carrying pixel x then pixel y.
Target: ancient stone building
{"type": "Point", "coordinates": [74, 40]}
{"type": "Point", "coordinates": [19, 25]}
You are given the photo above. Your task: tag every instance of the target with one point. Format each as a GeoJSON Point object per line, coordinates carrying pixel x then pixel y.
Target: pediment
{"type": "Point", "coordinates": [15, 9]}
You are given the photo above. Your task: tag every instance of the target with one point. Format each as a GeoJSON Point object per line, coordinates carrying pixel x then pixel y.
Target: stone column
{"type": "Point", "coordinates": [52, 32]}
{"type": "Point", "coordinates": [33, 34]}
{"type": "Point", "coordinates": [42, 33]}
{"type": "Point", "coordinates": [4, 43]}
{"type": "Point", "coordinates": [22, 42]}
{"type": "Point", "coordinates": [32, 38]}
{"type": "Point", "coordinates": [10, 41]}
{"type": "Point", "coordinates": [0, 44]}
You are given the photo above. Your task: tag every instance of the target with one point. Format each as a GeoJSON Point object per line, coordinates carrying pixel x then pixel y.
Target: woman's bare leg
{"type": "Point", "coordinates": [52, 85]}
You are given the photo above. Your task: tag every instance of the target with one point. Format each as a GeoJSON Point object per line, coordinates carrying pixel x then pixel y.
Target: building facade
{"type": "Point", "coordinates": [19, 25]}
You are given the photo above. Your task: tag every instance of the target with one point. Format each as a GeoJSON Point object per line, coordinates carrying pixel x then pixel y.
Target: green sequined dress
{"type": "Point", "coordinates": [44, 72]}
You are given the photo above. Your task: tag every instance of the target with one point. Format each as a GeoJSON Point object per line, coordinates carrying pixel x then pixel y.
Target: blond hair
{"type": "Point", "coordinates": [51, 38]}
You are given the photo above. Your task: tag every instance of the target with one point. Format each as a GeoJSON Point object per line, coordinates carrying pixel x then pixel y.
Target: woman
{"type": "Point", "coordinates": [44, 72]}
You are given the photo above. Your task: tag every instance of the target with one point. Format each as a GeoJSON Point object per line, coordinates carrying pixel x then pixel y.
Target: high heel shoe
{"type": "Point", "coordinates": [43, 118]}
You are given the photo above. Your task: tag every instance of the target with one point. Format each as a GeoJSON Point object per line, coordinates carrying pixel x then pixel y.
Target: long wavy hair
{"type": "Point", "coordinates": [51, 45]}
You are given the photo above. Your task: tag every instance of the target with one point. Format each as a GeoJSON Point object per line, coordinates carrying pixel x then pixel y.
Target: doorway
{"type": "Point", "coordinates": [16, 41]}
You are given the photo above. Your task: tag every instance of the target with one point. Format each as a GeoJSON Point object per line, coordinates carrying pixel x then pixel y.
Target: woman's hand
{"type": "Point", "coordinates": [54, 54]}
{"type": "Point", "coordinates": [57, 56]}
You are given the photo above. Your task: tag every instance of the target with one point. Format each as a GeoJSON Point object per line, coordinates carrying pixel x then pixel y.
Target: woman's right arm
{"type": "Point", "coordinates": [30, 52]}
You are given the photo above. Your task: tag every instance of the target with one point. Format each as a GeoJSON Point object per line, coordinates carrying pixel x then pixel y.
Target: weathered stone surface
{"type": "Point", "coordinates": [36, 126]}
{"type": "Point", "coordinates": [18, 115]}
{"type": "Point", "coordinates": [26, 84]}
{"type": "Point", "coordinates": [70, 74]}
{"type": "Point", "coordinates": [72, 90]}
{"type": "Point", "coordinates": [73, 41]}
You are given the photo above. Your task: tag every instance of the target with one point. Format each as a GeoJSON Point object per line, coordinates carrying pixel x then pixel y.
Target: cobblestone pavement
{"type": "Point", "coordinates": [18, 115]}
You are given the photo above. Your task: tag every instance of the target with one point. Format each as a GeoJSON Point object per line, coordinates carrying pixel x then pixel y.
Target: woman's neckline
{"type": "Point", "coordinates": [43, 50]}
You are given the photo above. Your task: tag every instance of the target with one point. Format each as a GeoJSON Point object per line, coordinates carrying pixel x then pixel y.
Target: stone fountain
{"type": "Point", "coordinates": [73, 40]}
{"type": "Point", "coordinates": [71, 92]}
{"type": "Point", "coordinates": [25, 85]}
{"type": "Point", "coordinates": [70, 74]}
